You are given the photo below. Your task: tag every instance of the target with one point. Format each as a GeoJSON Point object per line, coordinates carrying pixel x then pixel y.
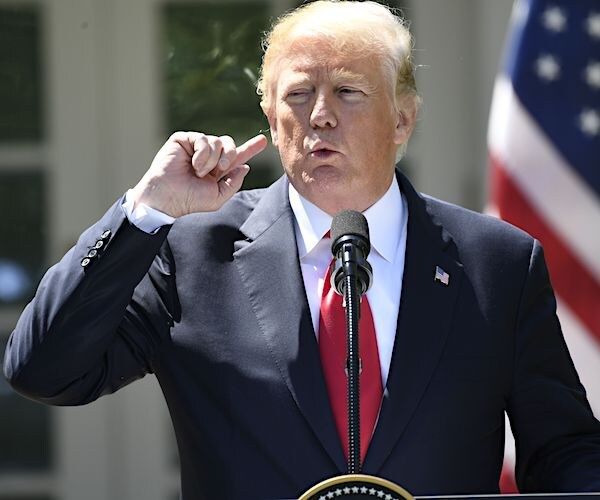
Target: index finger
{"type": "Point", "coordinates": [250, 148]}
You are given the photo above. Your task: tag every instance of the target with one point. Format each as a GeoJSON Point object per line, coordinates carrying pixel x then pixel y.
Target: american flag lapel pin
{"type": "Point", "coordinates": [442, 276]}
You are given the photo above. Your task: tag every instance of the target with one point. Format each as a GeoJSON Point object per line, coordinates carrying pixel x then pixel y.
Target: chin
{"type": "Point", "coordinates": [326, 179]}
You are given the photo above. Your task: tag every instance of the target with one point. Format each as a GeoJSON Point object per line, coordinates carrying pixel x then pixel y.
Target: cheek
{"type": "Point", "coordinates": [376, 142]}
{"type": "Point", "coordinates": [289, 142]}
{"type": "Point", "coordinates": [290, 130]}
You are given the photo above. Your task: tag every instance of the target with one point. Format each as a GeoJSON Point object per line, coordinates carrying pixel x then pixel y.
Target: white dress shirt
{"type": "Point", "coordinates": [144, 217]}
{"type": "Point", "coordinates": [387, 220]}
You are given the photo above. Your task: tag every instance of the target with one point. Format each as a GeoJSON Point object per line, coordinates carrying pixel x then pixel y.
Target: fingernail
{"type": "Point", "coordinates": [223, 163]}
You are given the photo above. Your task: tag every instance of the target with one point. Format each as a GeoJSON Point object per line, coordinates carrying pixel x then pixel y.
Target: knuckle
{"type": "Point", "coordinates": [177, 136]}
{"type": "Point", "coordinates": [200, 140]}
{"type": "Point", "coordinates": [230, 155]}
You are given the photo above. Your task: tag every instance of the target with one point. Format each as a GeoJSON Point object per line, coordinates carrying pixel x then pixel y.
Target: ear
{"type": "Point", "coordinates": [273, 128]}
{"type": "Point", "coordinates": [270, 115]}
{"type": "Point", "coordinates": [406, 117]}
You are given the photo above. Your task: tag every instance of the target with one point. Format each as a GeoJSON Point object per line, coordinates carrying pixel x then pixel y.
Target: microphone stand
{"type": "Point", "coordinates": [352, 300]}
{"type": "Point", "coordinates": [355, 272]}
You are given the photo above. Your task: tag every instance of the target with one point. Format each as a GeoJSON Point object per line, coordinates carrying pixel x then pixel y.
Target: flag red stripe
{"type": "Point", "coordinates": [507, 482]}
{"type": "Point", "coordinates": [570, 278]}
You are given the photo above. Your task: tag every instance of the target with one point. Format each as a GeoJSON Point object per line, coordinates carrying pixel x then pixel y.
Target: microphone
{"type": "Point", "coordinates": [350, 247]}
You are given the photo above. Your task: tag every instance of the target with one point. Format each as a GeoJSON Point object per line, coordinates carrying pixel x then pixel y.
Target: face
{"type": "Point", "coordinates": [334, 123]}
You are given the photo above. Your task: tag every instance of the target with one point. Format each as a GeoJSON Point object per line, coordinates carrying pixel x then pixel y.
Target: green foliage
{"type": "Point", "coordinates": [20, 74]}
{"type": "Point", "coordinates": [212, 58]}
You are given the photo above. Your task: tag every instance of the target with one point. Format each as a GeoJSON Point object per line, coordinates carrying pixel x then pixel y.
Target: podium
{"type": "Point", "coordinates": [364, 487]}
{"type": "Point", "coordinates": [525, 496]}
{"type": "Point", "coordinates": [530, 496]}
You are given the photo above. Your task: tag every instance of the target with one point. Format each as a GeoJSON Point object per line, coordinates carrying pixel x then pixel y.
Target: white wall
{"type": "Point", "coordinates": [458, 48]}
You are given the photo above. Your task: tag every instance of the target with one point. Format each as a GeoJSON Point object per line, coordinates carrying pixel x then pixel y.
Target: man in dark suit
{"type": "Point", "coordinates": [223, 304]}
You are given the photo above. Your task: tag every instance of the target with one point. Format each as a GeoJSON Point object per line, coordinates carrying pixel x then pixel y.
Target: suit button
{"type": "Point", "coordinates": [85, 262]}
{"type": "Point", "coordinates": [92, 253]}
{"type": "Point", "coordinates": [106, 234]}
{"type": "Point", "coordinates": [99, 244]}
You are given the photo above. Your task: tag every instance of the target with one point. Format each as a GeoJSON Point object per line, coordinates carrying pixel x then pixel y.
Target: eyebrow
{"type": "Point", "coordinates": [337, 76]}
{"type": "Point", "coordinates": [343, 76]}
{"type": "Point", "coordinates": [297, 78]}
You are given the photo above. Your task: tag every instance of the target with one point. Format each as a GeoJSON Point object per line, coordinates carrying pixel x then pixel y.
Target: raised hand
{"type": "Point", "coordinates": [194, 172]}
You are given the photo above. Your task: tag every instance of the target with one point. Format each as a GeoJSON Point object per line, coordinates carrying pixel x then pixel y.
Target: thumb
{"type": "Point", "coordinates": [231, 182]}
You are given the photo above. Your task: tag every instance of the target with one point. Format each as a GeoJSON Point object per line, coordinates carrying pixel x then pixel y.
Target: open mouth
{"type": "Point", "coordinates": [322, 152]}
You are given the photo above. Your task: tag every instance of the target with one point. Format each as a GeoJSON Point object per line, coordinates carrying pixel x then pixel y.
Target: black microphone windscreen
{"type": "Point", "coordinates": [349, 222]}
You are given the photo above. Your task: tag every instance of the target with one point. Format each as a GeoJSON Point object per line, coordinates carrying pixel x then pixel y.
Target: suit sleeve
{"type": "Point", "coordinates": [557, 436]}
{"type": "Point", "coordinates": [94, 322]}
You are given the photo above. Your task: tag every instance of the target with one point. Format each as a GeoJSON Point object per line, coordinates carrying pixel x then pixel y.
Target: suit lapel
{"type": "Point", "coordinates": [269, 266]}
{"type": "Point", "coordinates": [424, 319]}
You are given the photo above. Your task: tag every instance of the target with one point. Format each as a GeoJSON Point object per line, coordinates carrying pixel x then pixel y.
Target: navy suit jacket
{"type": "Point", "coordinates": [215, 306]}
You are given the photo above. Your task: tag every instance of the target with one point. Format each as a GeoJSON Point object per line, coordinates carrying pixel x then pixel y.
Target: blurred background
{"type": "Point", "coordinates": [89, 90]}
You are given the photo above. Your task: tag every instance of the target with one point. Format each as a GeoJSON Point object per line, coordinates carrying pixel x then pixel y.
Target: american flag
{"type": "Point", "coordinates": [441, 276]}
{"type": "Point", "coordinates": [544, 143]}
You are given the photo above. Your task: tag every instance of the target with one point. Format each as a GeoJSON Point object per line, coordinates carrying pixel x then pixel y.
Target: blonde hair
{"type": "Point", "coordinates": [358, 28]}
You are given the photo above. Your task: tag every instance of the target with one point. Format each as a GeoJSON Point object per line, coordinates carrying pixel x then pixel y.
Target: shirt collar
{"type": "Point", "coordinates": [384, 218]}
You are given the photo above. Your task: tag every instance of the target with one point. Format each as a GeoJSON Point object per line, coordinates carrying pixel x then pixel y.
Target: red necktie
{"type": "Point", "coordinates": [332, 346]}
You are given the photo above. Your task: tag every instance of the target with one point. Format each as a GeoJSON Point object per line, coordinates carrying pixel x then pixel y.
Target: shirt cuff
{"type": "Point", "coordinates": [144, 217]}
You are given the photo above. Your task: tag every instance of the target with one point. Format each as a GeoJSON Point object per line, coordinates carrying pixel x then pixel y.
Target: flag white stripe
{"type": "Point", "coordinates": [562, 198]}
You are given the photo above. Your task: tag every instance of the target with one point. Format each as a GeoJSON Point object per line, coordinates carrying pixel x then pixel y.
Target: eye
{"type": "Point", "coordinates": [297, 95]}
{"type": "Point", "coordinates": [351, 93]}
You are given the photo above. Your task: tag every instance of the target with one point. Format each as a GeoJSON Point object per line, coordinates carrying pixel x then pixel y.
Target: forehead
{"type": "Point", "coordinates": [320, 60]}
{"type": "Point", "coordinates": [326, 71]}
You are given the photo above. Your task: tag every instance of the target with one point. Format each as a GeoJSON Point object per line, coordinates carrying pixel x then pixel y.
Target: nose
{"type": "Point", "coordinates": [323, 113]}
